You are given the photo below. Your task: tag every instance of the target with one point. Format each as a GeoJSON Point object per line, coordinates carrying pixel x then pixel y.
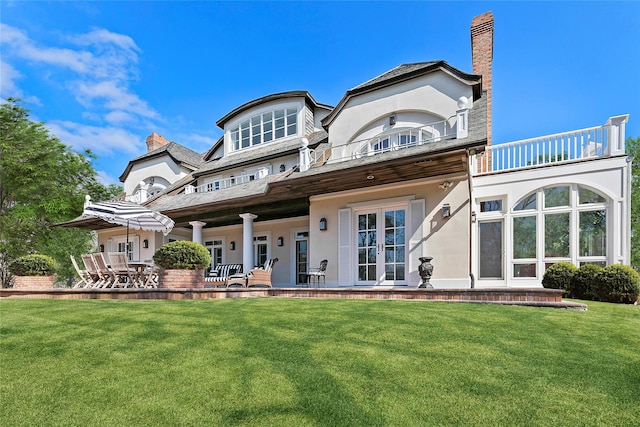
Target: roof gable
{"type": "Point", "coordinates": [180, 154]}
{"type": "Point", "coordinates": [402, 73]}
{"type": "Point", "coordinates": [269, 98]}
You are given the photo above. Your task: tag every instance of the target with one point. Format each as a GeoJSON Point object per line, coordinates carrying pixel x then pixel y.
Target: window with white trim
{"type": "Point", "coordinates": [558, 223]}
{"type": "Point", "coordinates": [263, 128]}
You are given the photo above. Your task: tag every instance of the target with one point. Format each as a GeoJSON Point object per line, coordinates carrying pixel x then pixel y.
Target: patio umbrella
{"type": "Point", "coordinates": [130, 215]}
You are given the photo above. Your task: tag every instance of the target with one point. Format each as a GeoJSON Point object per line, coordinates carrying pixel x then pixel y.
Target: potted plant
{"type": "Point", "coordinates": [34, 272]}
{"type": "Point", "coordinates": [182, 264]}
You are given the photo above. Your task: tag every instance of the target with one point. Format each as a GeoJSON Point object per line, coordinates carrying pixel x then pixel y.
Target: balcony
{"type": "Point", "coordinates": [223, 183]}
{"type": "Point", "coordinates": [386, 142]}
{"type": "Point", "coordinates": [568, 147]}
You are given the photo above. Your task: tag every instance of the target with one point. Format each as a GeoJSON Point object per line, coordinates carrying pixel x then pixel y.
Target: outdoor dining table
{"type": "Point", "coordinates": [145, 273]}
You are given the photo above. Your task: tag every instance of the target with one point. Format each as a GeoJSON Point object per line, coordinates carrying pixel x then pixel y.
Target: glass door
{"type": "Point", "coordinates": [381, 247]}
{"type": "Point", "coordinates": [491, 259]}
{"type": "Point", "coordinates": [302, 266]}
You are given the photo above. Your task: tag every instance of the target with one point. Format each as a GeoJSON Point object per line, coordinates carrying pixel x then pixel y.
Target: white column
{"type": "Point", "coordinates": [462, 118]}
{"type": "Point", "coordinates": [196, 235]}
{"type": "Point", "coordinates": [143, 193]}
{"type": "Point", "coordinates": [304, 154]}
{"type": "Point", "coordinates": [247, 241]}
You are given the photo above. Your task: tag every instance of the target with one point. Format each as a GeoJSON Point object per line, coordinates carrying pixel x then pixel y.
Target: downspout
{"type": "Point", "coordinates": [471, 215]}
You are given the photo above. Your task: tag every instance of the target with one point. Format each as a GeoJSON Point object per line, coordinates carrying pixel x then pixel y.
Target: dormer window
{"type": "Point", "coordinates": [265, 127]}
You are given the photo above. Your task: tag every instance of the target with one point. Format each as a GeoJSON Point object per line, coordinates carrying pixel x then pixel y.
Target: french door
{"type": "Point", "coordinates": [302, 267]}
{"type": "Point", "coordinates": [381, 247]}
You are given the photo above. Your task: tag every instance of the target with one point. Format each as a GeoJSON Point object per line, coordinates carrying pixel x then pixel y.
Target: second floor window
{"type": "Point", "coordinates": [264, 127]}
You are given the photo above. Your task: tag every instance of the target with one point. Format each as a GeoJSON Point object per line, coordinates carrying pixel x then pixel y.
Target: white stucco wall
{"type": "Point", "coordinates": [162, 166]}
{"type": "Point", "coordinates": [434, 95]}
{"type": "Point", "coordinates": [607, 176]}
{"type": "Point", "coordinates": [447, 240]}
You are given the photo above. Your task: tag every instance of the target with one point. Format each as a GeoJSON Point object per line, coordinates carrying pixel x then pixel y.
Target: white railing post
{"type": "Point", "coordinates": [304, 154]}
{"type": "Point", "coordinates": [616, 128]}
{"type": "Point", "coordinates": [462, 118]}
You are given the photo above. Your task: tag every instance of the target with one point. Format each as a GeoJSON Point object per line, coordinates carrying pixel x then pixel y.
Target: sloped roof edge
{"type": "Point", "coordinates": [398, 75]}
{"type": "Point", "coordinates": [207, 156]}
{"type": "Point", "coordinates": [171, 149]}
{"type": "Point", "coordinates": [273, 97]}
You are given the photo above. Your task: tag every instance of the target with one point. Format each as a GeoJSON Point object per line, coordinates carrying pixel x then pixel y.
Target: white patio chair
{"type": "Point", "coordinates": [108, 276]}
{"type": "Point", "coordinates": [85, 278]}
{"type": "Point", "coordinates": [125, 275]}
{"type": "Point", "coordinates": [97, 280]}
{"type": "Point", "coordinates": [316, 273]}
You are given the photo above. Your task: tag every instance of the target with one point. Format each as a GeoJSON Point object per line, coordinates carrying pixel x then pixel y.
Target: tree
{"type": "Point", "coordinates": [42, 182]}
{"type": "Point", "coordinates": [633, 149]}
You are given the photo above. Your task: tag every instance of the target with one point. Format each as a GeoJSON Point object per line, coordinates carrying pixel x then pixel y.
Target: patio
{"type": "Point", "coordinates": [537, 297]}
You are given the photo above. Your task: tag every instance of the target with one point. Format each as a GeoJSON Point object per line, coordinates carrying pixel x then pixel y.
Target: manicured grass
{"type": "Point", "coordinates": [304, 362]}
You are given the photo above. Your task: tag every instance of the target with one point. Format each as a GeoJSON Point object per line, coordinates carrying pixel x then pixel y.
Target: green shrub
{"type": "Point", "coordinates": [585, 283]}
{"type": "Point", "coordinates": [34, 265]}
{"type": "Point", "coordinates": [182, 255]}
{"type": "Point", "coordinates": [558, 276]}
{"type": "Point", "coordinates": [620, 283]}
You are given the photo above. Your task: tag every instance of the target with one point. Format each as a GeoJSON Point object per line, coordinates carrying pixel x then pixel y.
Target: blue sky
{"type": "Point", "coordinates": [104, 75]}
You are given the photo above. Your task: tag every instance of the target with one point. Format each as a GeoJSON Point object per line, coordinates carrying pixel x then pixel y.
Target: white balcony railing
{"type": "Point", "coordinates": [391, 141]}
{"type": "Point", "coordinates": [567, 147]}
{"type": "Point", "coordinates": [226, 182]}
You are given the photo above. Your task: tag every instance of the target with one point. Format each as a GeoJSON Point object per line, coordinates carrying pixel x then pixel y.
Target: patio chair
{"type": "Point", "coordinates": [124, 274]}
{"type": "Point", "coordinates": [261, 276]}
{"type": "Point", "coordinates": [85, 278]}
{"type": "Point", "coordinates": [109, 277]}
{"type": "Point", "coordinates": [97, 280]}
{"type": "Point", "coordinates": [316, 273]}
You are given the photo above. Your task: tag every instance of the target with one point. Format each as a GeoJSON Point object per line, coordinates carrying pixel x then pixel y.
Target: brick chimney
{"type": "Point", "coordinates": [155, 141]}
{"type": "Point", "coordinates": [482, 57]}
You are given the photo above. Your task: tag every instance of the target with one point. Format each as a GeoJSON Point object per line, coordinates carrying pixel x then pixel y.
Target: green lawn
{"type": "Point", "coordinates": [309, 362]}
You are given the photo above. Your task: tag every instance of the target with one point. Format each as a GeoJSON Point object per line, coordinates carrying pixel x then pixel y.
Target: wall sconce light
{"type": "Point", "coordinates": [473, 216]}
{"type": "Point", "coordinates": [283, 168]}
{"type": "Point", "coordinates": [445, 185]}
{"type": "Point", "coordinates": [392, 120]}
{"type": "Point", "coordinates": [446, 210]}
{"type": "Point", "coordinates": [232, 246]}
{"type": "Point", "coordinates": [280, 241]}
{"type": "Point", "coordinates": [323, 224]}
{"type": "Point", "coordinates": [101, 248]}
{"type": "Point", "coordinates": [145, 243]}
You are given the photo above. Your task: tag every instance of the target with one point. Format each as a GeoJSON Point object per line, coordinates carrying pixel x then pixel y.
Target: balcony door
{"type": "Point", "coordinates": [381, 247]}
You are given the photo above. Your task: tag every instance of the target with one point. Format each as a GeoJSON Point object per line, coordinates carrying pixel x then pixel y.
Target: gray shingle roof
{"type": "Point", "coordinates": [477, 136]}
{"type": "Point", "coordinates": [182, 200]}
{"type": "Point", "coordinates": [257, 154]}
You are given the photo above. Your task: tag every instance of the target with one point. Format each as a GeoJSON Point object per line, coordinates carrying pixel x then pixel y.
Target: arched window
{"type": "Point", "coordinates": [558, 223]}
{"type": "Point", "coordinates": [397, 139]}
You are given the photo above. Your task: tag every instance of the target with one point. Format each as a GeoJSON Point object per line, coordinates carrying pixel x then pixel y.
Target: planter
{"type": "Point", "coordinates": [33, 282]}
{"type": "Point", "coordinates": [181, 278]}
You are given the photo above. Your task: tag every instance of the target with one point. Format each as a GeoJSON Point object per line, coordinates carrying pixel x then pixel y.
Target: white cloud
{"type": "Point", "coordinates": [119, 117]}
{"type": "Point", "coordinates": [8, 76]}
{"type": "Point", "coordinates": [101, 37]}
{"type": "Point", "coordinates": [113, 96]}
{"type": "Point", "coordinates": [100, 140]}
{"type": "Point", "coordinates": [17, 43]}
{"type": "Point", "coordinates": [102, 65]}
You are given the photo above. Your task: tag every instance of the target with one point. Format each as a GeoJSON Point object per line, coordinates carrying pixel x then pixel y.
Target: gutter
{"type": "Point", "coordinates": [471, 216]}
